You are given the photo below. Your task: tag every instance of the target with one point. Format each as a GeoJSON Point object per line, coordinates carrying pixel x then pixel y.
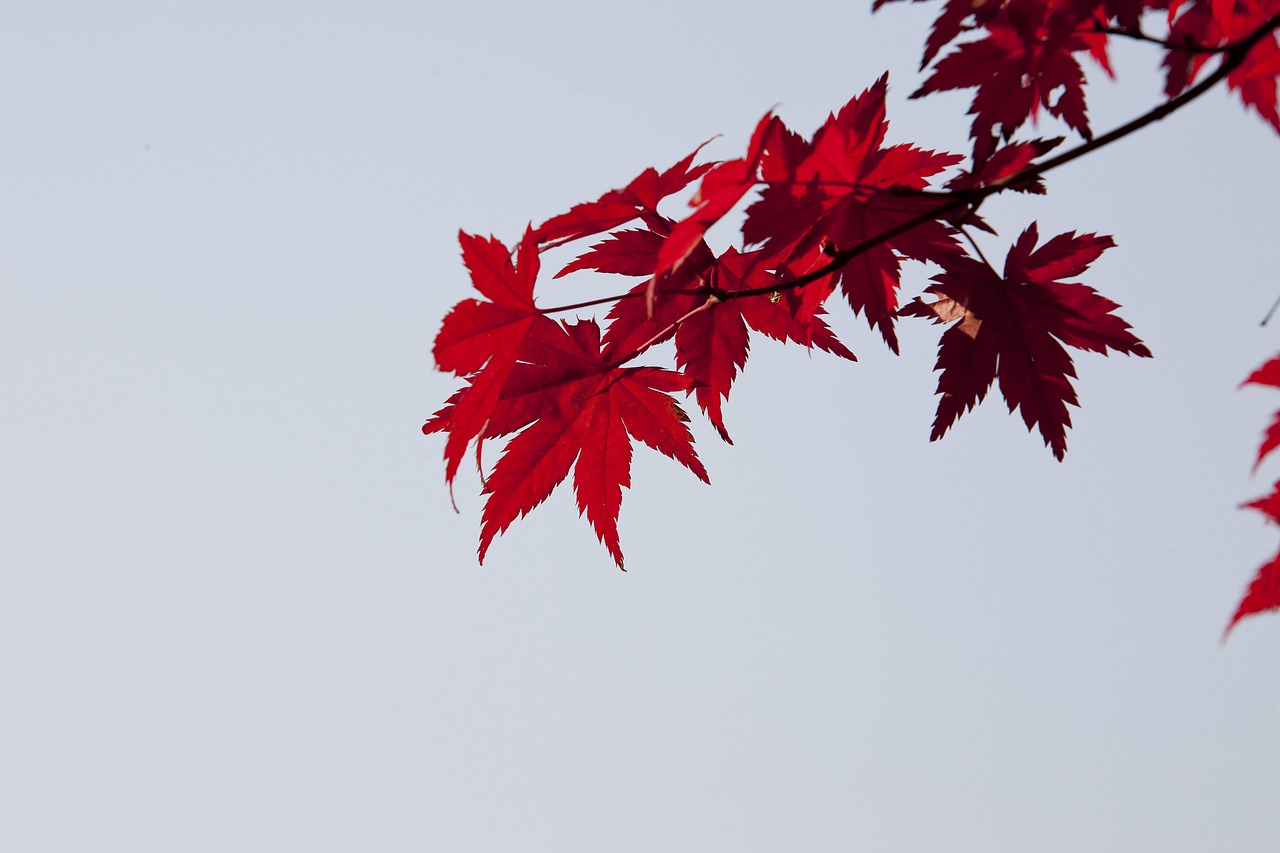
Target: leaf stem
{"type": "Point", "coordinates": [976, 248]}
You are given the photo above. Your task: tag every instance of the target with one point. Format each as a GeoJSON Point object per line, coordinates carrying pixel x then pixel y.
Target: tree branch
{"type": "Point", "coordinates": [1233, 55]}
{"type": "Point", "coordinates": [632, 294]}
{"type": "Point", "coordinates": [1137, 34]}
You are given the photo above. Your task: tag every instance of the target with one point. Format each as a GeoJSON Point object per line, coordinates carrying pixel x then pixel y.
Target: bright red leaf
{"type": "Point", "coordinates": [572, 407]}
{"type": "Point", "coordinates": [721, 188]}
{"type": "Point", "coordinates": [1264, 590]}
{"type": "Point", "coordinates": [1213, 23]}
{"type": "Point", "coordinates": [1268, 374]}
{"type": "Point", "coordinates": [482, 338]}
{"type": "Point", "coordinates": [618, 207]}
{"type": "Point", "coordinates": [632, 252]}
{"type": "Point", "coordinates": [1262, 595]}
{"type": "Point", "coordinates": [575, 408]}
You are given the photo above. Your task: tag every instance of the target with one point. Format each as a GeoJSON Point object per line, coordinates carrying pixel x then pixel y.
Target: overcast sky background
{"type": "Point", "coordinates": [238, 613]}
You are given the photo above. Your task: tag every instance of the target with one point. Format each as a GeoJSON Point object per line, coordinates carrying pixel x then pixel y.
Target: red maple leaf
{"type": "Point", "coordinates": [840, 191]}
{"type": "Point", "coordinates": [1264, 590]}
{"type": "Point", "coordinates": [1214, 23]}
{"type": "Point", "coordinates": [1268, 505]}
{"type": "Point", "coordinates": [670, 303]}
{"type": "Point", "coordinates": [1268, 374]}
{"type": "Point", "coordinates": [630, 252]}
{"type": "Point", "coordinates": [954, 19]}
{"type": "Point", "coordinates": [1012, 327]}
{"type": "Point", "coordinates": [578, 412]}
{"type": "Point", "coordinates": [1263, 594]}
{"type": "Point", "coordinates": [1023, 64]}
{"type": "Point", "coordinates": [483, 338]}
{"type": "Point", "coordinates": [721, 188]}
{"type": "Point", "coordinates": [1005, 164]}
{"type": "Point", "coordinates": [640, 198]}
{"type": "Point", "coordinates": [650, 311]}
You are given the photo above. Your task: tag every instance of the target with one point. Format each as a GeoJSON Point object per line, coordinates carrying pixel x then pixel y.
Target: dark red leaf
{"type": "Point", "coordinates": [1005, 164]}
{"type": "Point", "coordinates": [1024, 63]}
{"type": "Point", "coordinates": [1012, 327]}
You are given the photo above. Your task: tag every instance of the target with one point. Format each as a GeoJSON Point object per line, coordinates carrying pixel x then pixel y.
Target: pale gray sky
{"type": "Point", "coordinates": [238, 613]}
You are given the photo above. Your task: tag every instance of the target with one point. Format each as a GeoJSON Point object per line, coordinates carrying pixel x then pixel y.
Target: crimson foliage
{"type": "Point", "coordinates": [838, 211]}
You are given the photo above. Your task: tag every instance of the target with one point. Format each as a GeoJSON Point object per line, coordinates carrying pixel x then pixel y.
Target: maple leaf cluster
{"type": "Point", "coordinates": [1024, 56]}
{"type": "Point", "coordinates": [840, 211]}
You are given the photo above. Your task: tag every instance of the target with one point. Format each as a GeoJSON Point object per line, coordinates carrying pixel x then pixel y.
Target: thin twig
{"type": "Point", "coordinates": [631, 294]}
{"type": "Point", "coordinates": [1138, 35]}
{"type": "Point", "coordinates": [1274, 306]}
{"type": "Point", "coordinates": [974, 243]}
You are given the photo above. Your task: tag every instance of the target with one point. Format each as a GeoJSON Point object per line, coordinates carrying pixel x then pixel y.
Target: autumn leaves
{"type": "Point", "coordinates": [838, 212]}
